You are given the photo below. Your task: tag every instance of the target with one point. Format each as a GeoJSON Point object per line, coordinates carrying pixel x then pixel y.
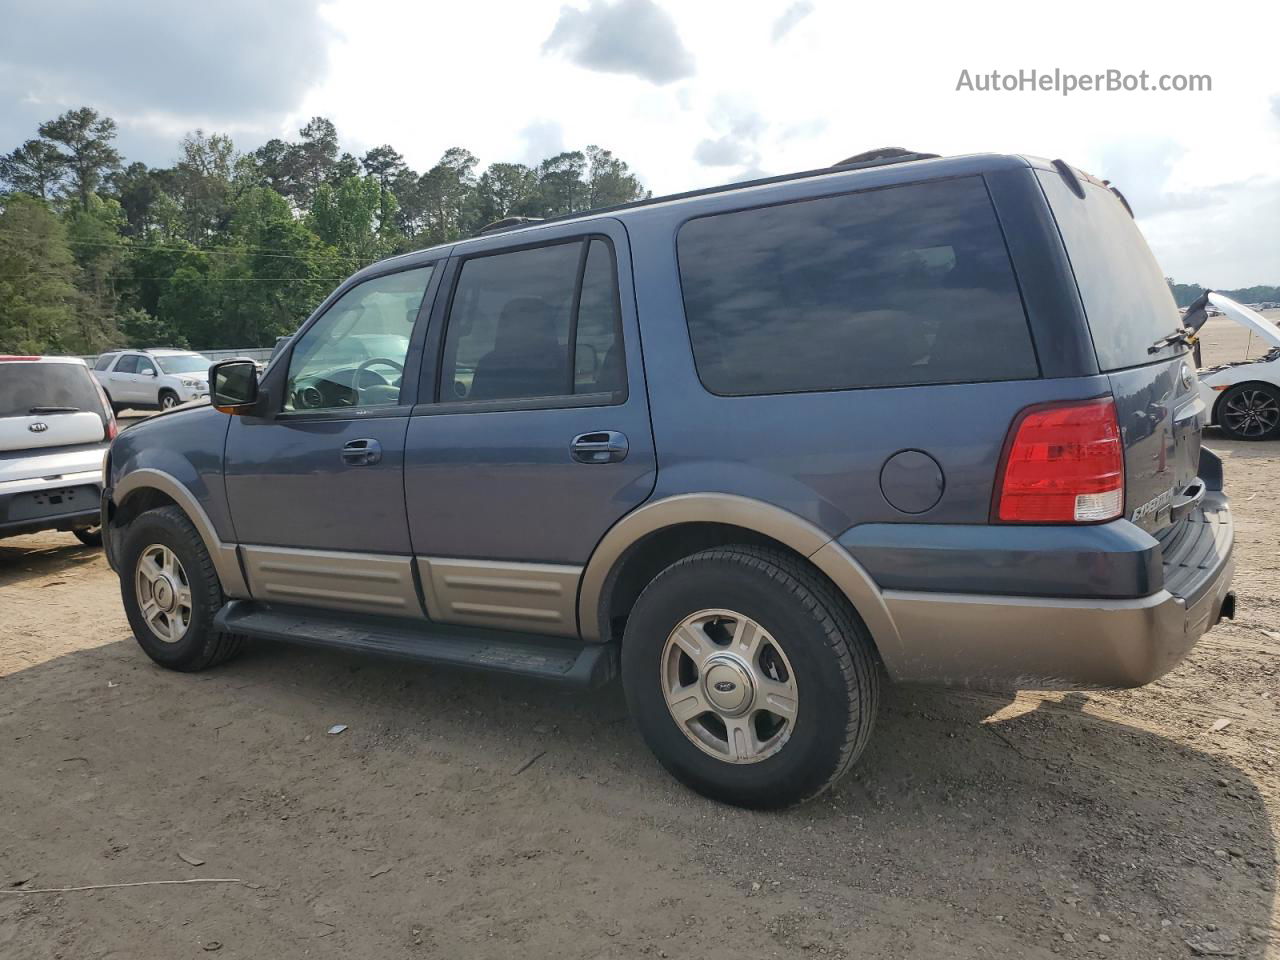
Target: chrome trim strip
{"type": "Point", "coordinates": [333, 579]}
{"type": "Point", "coordinates": [529, 597]}
{"type": "Point", "coordinates": [223, 554]}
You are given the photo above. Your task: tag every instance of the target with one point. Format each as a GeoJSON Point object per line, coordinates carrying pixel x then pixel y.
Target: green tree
{"type": "Point", "coordinates": [346, 216]}
{"type": "Point", "coordinates": [310, 161]}
{"type": "Point", "coordinates": [201, 183]}
{"type": "Point", "coordinates": [504, 190]}
{"type": "Point", "coordinates": [95, 234]}
{"type": "Point", "coordinates": [38, 298]}
{"type": "Point", "coordinates": [561, 188]}
{"type": "Point", "coordinates": [385, 165]}
{"type": "Point", "coordinates": [88, 154]}
{"type": "Point", "coordinates": [37, 167]}
{"type": "Point", "coordinates": [610, 181]}
{"type": "Point", "coordinates": [136, 188]}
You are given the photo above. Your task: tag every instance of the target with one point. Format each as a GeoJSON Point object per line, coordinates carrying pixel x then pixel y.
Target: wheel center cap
{"type": "Point", "coordinates": [728, 686]}
{"type": "Point", "coordinates": [164, 593]}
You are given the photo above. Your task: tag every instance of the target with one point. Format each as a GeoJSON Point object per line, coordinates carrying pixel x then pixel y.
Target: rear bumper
{"type": "Point", "coordinates": [67, 503]}
{"type": "Point", "coordinates": [1045, 642]}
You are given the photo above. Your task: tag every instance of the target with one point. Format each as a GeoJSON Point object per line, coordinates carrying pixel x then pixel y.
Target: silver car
{"type": "Point", "coordinates": [55, 427]}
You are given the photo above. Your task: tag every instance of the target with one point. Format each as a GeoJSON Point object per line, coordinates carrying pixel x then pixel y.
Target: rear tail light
{"type": "Point", "coordinates": [1063, 463]}
{"type": "Point", "coordinates": [112, 427]}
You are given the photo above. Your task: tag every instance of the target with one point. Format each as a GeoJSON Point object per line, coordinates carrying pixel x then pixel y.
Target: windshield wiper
{"type": "Point", "coordinates": [54, 410]}
{"type": "Point", "coordinates": [1181, 335]}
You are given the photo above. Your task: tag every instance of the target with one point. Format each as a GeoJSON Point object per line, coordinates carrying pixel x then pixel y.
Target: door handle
{"type": "Point", "coordinates": [361, 453]}
{"type": "Point", "coordinates": [603, 446]}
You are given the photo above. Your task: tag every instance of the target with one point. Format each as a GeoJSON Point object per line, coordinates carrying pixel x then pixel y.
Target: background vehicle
{"type": "Point", "coordinates": [929, 419]}
{"type": "Point", "coordinates": [157, 379]}
{"type": "Point", "coordinates": [1243, 397]}
{"type": "Point", "coordinates": [55, 425]}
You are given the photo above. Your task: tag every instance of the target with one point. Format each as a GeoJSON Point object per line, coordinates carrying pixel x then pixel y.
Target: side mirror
{"type": "Point", "coordinates": [233, 386]}
{"type": "Point", "coordinates": [150, 372]}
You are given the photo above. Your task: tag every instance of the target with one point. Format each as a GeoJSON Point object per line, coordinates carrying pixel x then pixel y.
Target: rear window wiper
{"type": "Point", "coordinates": [1181, 335]}
{"type": "Point", "coordinates": [54, 410]}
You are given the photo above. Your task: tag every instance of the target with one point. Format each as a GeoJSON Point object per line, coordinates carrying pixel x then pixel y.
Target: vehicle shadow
{"type": "Point", "coordinates": [21, 559]}
{"type": "Point", "coordinates": [1220, 443]}
{"type": "Point", "coordinates": [1021, 825]}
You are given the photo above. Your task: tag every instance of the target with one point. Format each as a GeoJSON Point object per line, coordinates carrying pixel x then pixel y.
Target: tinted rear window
{"type": "Point", "coordinates": [1126, 298]}
{"type": "Point", "coordinates": [26, 386]}
{"type": "Point", "coordinates": [905, 285]}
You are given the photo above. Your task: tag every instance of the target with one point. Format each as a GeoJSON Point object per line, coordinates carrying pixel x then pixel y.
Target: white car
{"type": "Point", "coordinates": [1243, 398]}
{"type": "Point", "coordinates": [55, 427]}
{"type": "Point", "coordinates": [152, 379]}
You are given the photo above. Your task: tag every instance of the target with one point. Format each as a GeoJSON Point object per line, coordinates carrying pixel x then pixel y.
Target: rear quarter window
{"type": "Point", "coordinates": [1126, 298]}
{"type": "Point", "coordinates": [889, 287]}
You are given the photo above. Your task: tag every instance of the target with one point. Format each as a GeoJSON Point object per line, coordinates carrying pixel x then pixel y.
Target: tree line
{"type": "Point", "coordinates": [229, 248]}
{"type": "Point", "coordinates": [1186, 294]}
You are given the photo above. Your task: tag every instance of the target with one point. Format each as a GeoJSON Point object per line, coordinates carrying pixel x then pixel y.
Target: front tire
{"type": "Point", "coordinates": [171, 592]}
{"type": "Point", "coordinates": [751, 679]}
{"type": "Point", "coordinates": [1250, 411]}
{"type": "Point", "coordinates": [168, 400]}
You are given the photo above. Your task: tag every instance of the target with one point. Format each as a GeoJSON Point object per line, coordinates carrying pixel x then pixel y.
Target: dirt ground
{"type": "Point", "coordinates": [1117, 824]}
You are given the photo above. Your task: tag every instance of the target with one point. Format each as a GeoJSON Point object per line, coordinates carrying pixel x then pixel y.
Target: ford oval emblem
{"type": "Point", "coordinates": [724, 686]}
{"type": "Point", "coordinates": [37, 427]}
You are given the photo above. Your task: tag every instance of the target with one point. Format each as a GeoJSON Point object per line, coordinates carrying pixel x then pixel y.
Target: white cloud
{"type": "Point", "coordinates": [624, 36]}
{"type": "Point", "coordinates": [790, 18]}
{"type": "Point", "coordinates": [1199, 167]}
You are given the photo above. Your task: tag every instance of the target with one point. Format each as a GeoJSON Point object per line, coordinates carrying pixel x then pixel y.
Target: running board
{"type": "Point", "coordinates": [544, 658]}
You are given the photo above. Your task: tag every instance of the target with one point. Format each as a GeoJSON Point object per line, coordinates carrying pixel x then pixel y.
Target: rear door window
{"type": "Point", "coordinates": [1126, 297]}
{"type": "Point", "coordinates": [903, 285]}
{"type": "Point", "coordinates": [536, 322]}
{"type": "Point", "coordinates": [35, 388]}
{"type": "Point", "coordinates": [127, 364]}
{"type": "Point", "coordinates": [104, 361]}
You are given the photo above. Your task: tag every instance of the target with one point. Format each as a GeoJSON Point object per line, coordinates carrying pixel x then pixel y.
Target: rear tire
{"type": "Point", "coordinates": [1250, 411]}
{"type": "Point", "coordinates": [89, 536]}
{"type": "Point", "coordinates": [171, 592]}
{"type": "Point", "coordinates": [811, 678]}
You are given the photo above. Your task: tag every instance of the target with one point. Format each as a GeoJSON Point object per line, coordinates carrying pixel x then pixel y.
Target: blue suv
{"type": "Point", "coordinates": [756, 448]}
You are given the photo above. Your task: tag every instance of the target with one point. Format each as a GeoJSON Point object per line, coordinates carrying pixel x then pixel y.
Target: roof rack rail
{"type": "Point", "coordinates": [884, 155]}
{"type": "Point", "coordinates": [846, 165]}
{"type": "Point", "coordinates": [508, 223]}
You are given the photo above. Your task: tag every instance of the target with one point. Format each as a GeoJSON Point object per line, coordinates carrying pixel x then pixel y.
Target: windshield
{"type": "Point", "coordinates": [27, 387]}
{"type": "Point", "coordinates": [184, 363]}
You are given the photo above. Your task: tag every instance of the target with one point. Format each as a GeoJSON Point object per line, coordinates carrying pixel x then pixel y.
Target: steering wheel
{"type": "Point", "coordinates": [384, 386]}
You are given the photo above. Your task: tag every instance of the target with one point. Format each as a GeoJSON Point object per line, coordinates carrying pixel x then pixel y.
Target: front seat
{"type": "Point", "coordinates": [526, 360]}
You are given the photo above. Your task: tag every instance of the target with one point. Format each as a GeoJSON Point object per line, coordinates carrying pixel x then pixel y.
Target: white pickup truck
{"type": "Point", "coordinates": [55, 427]}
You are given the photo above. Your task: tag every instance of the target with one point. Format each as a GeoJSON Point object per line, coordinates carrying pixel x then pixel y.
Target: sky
{"type": "Point", "coordinates": [697, 93]}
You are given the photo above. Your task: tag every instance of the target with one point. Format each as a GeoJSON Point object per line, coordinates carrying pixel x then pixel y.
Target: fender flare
{"type": "Point", "coordinates": [225, 556]}
{"type": "Point", "coordinates": [787, 528]}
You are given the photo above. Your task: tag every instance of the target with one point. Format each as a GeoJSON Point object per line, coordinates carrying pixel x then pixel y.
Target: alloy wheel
{"type": "Point", "coordinates": [729, 686]}
{"type": "Point", "coordinates": [164, 593]}
{"type": "Point", "coordinates": [1251, 413]}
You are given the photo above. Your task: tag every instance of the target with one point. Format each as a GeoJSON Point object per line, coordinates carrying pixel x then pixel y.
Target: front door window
{"type": "Point", "coordinates": [354, 355]}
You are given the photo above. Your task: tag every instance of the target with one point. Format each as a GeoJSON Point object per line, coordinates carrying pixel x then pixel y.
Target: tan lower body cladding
{"type": "Point", "coordinates": [526, 597]}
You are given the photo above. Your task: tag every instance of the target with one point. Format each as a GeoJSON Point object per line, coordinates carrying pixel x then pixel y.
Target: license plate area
{"type": "Point", "coordinates": [53, 502]}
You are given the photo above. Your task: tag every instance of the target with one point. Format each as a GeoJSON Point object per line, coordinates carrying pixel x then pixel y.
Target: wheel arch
{"type": "Point", "coordinates": [660, 533]}
{"type": "Point", "coordinates": [1217, 402]}
{"type": "Point", "coordinates": [147, 488]}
